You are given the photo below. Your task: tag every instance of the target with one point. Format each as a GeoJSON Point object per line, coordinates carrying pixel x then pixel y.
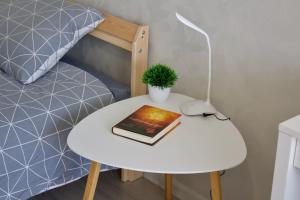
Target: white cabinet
{"type": "Point", "coordinates": [297, 155]}
{"type": "Point", "coordinates": [286, 180]}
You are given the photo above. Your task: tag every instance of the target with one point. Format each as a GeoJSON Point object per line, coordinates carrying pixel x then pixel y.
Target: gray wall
{"type": "Point", "coordinates": [256, 75]}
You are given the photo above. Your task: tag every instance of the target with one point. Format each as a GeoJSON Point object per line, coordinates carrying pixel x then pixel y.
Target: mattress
{"type": "Point", "coordinates": [119, 90]}
{"type": "Point", "coordinates": [35, 121]}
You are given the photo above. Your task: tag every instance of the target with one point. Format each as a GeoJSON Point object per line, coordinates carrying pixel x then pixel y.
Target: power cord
{"type": "Point", "coordinates": [221, 119]}
{"type": "Point", "coordinates": [221, 174]}
{"type": "Point", "coordinates": [216, 116]}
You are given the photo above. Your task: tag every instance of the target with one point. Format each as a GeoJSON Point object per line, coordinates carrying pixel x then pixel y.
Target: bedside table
{"type": "Point", "coordinates": [197, 145]}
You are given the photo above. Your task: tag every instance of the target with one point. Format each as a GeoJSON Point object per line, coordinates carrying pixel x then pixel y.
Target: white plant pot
{"type": "Point", "coordinates": [157, 94]}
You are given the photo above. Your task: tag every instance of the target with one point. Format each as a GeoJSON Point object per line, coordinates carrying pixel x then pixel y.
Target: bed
{"type": "Point", "coordinates": [35, 121]}
{"type": "Point", "coordinates": [38, 112]}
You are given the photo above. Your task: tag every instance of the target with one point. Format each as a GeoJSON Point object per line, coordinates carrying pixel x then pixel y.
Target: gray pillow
{"type": "Point", "coordinates": [35, 34]}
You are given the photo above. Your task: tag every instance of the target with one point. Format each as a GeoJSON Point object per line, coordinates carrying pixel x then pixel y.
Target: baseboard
{"type": "Point", "coordinates": [180, 190]}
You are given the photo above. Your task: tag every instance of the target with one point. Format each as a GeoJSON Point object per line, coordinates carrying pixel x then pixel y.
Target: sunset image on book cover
{"type": "Point", "coordinates": [148, 121]}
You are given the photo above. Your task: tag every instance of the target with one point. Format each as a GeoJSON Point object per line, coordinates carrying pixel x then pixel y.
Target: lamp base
{"type": "Point", "coordinates": [197, 107]}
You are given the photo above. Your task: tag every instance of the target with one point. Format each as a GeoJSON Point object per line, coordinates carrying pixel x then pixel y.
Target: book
{"type": "Point", "coordinates": [148, 124]}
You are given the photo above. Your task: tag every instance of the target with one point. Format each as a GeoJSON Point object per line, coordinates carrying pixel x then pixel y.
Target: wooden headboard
{"type": "Point", "coordinates": [131, 37]}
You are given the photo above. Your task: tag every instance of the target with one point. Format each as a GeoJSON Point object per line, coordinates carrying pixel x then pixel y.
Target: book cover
{"type": "Point", "coordinates": [148, 121]}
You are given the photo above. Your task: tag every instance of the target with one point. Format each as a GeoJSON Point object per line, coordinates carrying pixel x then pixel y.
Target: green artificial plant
{"type": "Point", "coordinates": [160, 75]}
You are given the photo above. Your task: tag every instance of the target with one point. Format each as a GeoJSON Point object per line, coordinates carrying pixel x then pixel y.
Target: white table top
{"type": "Point", "coordinates": [197, 145]}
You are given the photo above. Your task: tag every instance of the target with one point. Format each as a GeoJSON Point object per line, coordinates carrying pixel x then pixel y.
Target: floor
{"type": "Point", "coordinates": [109, 188]}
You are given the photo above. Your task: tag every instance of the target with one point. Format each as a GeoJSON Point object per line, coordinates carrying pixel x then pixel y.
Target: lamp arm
{"type": "Point", "coordinates": [209, 69]}
{"type": "Point", "coordinates": [196, 28]}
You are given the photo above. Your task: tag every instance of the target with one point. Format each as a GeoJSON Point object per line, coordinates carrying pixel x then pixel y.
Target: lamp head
{"type": "Point", "coordinates": [190, 24]}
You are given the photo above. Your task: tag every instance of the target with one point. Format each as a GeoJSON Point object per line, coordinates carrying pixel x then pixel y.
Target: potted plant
{"type": "Point", "coordinates": [159, 78]}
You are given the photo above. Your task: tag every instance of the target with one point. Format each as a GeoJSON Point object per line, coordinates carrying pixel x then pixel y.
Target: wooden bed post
{"type": "Point", "coordinates": [139, 61]}
{"type": "Point", "coordinates": [133, 38]}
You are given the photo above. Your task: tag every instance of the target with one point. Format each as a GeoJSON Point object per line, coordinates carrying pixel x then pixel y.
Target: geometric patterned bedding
{"type": "Point", "coordinates": [35, 121]}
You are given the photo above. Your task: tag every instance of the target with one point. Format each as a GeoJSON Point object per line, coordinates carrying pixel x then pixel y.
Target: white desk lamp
{"type": "Point", "coordinates": [199, 107]}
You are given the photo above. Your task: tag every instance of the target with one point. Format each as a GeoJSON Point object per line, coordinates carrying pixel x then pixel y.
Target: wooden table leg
{"type": "Point", "coordinates": [92, 181]}
{"type": "Point", "coordinates": [215, 182]}
{"type": "Point", "coordinates": [168, 187]}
